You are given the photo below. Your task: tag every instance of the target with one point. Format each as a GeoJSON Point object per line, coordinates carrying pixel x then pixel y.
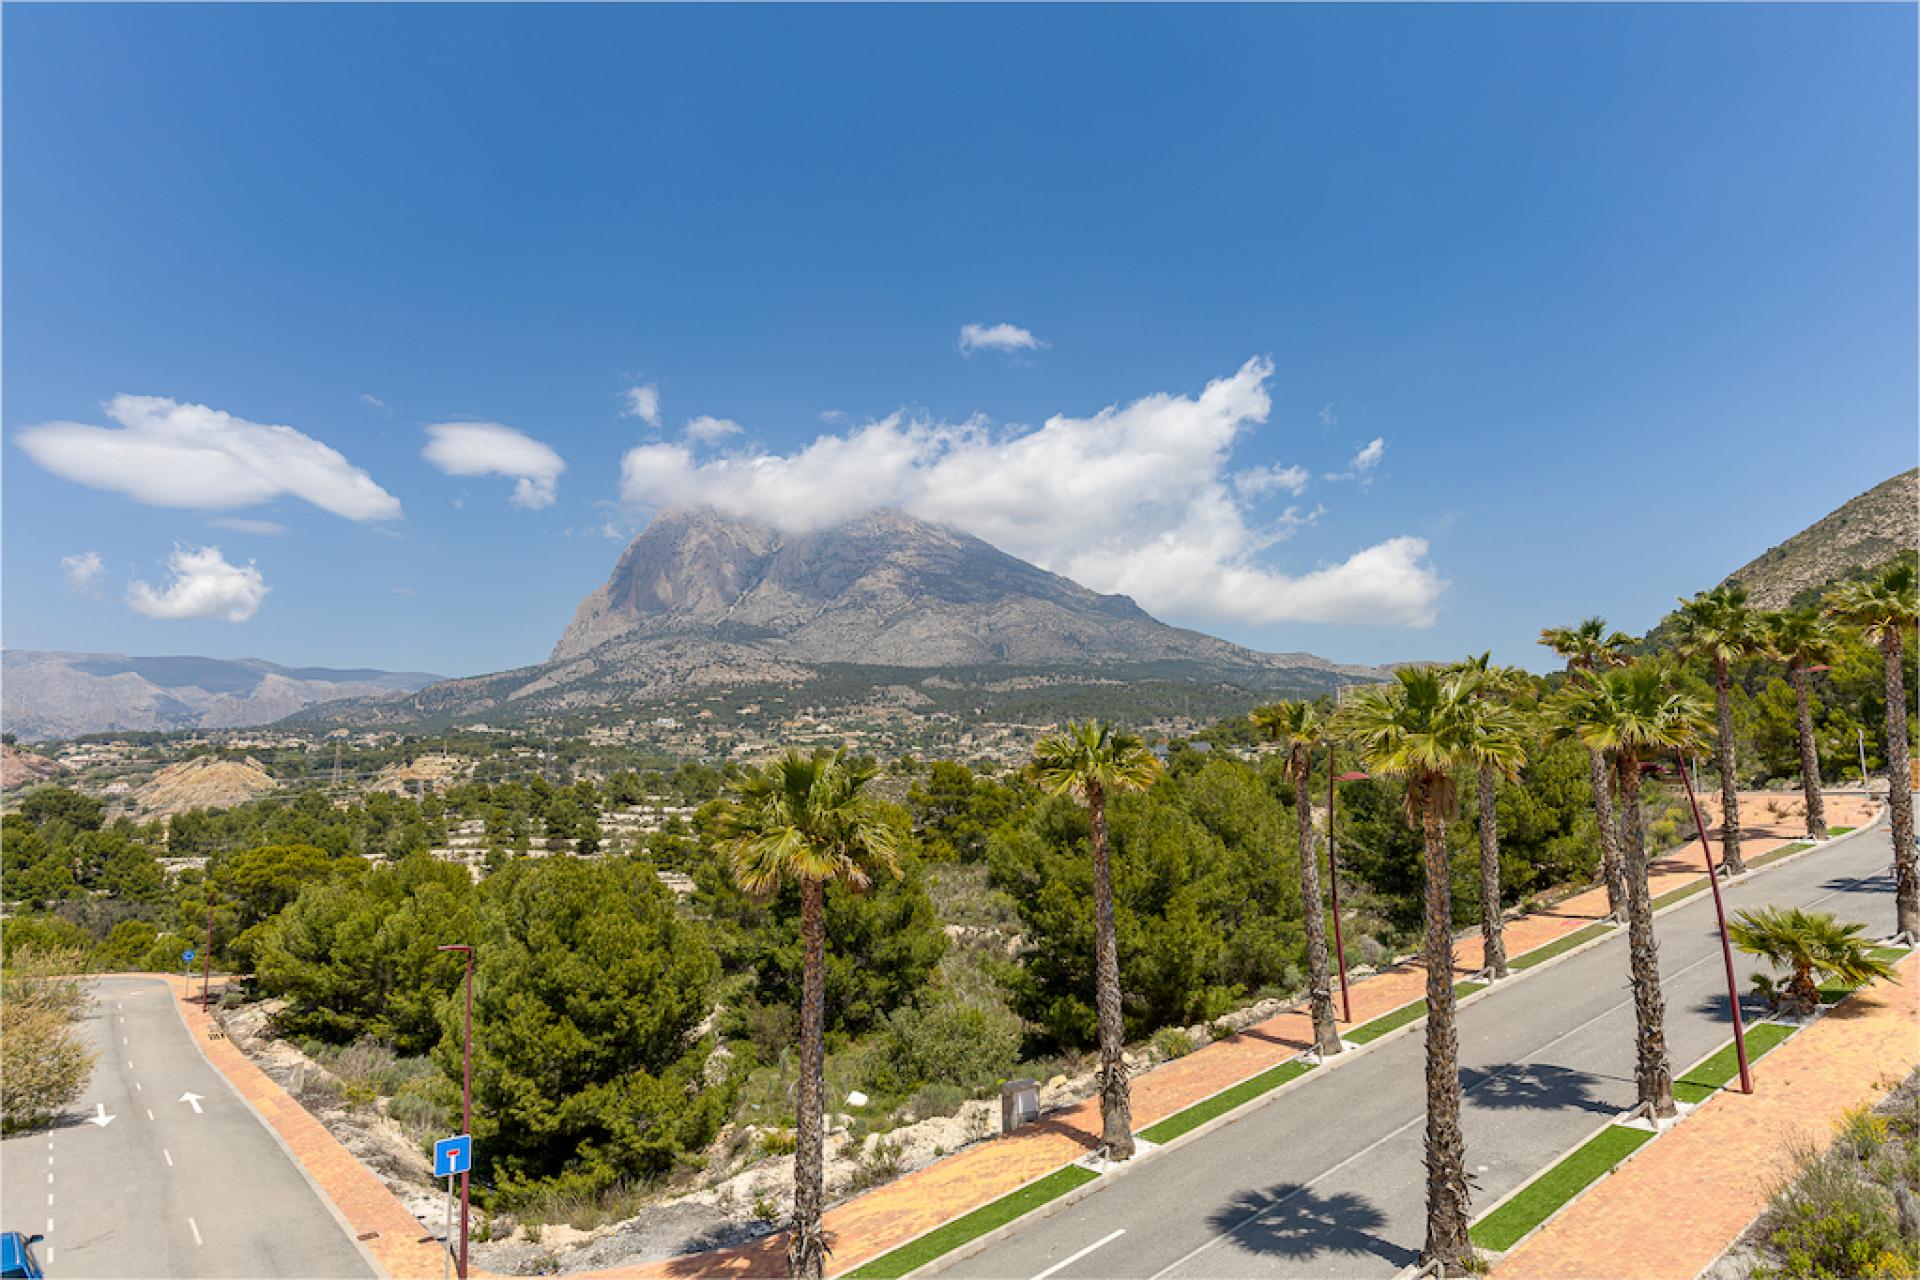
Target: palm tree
{"type": "Point", "coordinates": [1298, 724]}
{"type": "Point", "coordinates": [1493, 757]}
{"type": "Point", "coordinates": [806, 820]}
{"type": "Point", "coordinates": [1717, 625]}
{"type": "Point", "coordinates": [1802, 639]}
{"type": "Point", "coordinates": [1806, 943]}
{"type": "Point", "coordinates": [1091, 761]}
{"type": "Point", "coordinates": [1886, 609]}
{"type": "Point", "coordinates": [1633, 715]}
{"type": "Point", "coordinates": [1590, 647]}
{"type": "Point", "coordinates": [1423, 725]}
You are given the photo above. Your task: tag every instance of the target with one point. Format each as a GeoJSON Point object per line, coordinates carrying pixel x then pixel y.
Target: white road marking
{"type": "Point", "coordinates": [49, 1199]}
{"type": "Point", "coordinates": [192, 1100]}
{"type": "Point", "coordinates": [149, 1113]}
{"type": "Point", "coordinates": [196, 1231]}
{"type": "Point", "coordinates": [49, 1175]}
{"type": "Point", "coordinates": [1305, 1187]}
{"type": "Point", "coordinates": [1066, 1262]}
{"type": "Point", "coordinates": [169, 1155]}
{"type": "Point", "coordinates": [136, 1085]}
{"type": "Point", "coordinates": [99, 1116]}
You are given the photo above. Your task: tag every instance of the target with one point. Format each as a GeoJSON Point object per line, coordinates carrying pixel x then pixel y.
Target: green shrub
{"type": "Point", "coordinates": [1172, 1042]}
{"type": "Point", "coordinates": [964, 1044]}
{"type": "Point", "coordinates": [933, 1100]}
{"type": "Point", "coordinates": [778, 1142]}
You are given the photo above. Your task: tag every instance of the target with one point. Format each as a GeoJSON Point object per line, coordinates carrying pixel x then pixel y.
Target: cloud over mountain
{"type": "Point", "coordinates": [1138, 499]}
{"type": "Point", "coordinates": [202, 585]}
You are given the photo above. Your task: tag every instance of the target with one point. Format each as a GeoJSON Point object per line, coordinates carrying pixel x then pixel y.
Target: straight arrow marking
{"type": "Point", "coordinates": [100, 1116]}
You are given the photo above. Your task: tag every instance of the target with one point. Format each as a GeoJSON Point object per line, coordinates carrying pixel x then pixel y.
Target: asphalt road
{"type": "Point", "coordinates": [1327, 1180]}
{"type": "Point", "coordinates": [162, 1189]}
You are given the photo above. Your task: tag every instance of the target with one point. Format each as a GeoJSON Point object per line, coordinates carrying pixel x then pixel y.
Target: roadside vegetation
{"type": "Point", "coordinates": [44, 1061]}
{"type": "Point", "coordinates": [865, 946]}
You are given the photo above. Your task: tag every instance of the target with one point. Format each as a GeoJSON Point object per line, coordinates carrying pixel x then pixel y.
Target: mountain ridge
{"type": "Point", "coordinates": [1864, 532]}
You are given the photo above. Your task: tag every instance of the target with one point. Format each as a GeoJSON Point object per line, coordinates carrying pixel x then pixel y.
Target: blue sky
{"type": "Point", "coordinates": [1625, 294]}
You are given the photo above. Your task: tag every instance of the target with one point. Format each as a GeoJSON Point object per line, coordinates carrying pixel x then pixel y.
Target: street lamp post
{"type": "Point", "coordinates": [206, 968]}
{"type": "Point", "coordinates": [1726, 948]}
{"type": "Point", "coordinates": [466, 1093]}
{"type": "Point", "coordinates": [1333, 881]}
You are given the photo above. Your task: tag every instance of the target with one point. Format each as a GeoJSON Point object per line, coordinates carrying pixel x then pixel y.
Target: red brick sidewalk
{"type": "Point", "coordinates": [1720, 1162]}
{"type": "Point", "coordinates": [885, 1218]}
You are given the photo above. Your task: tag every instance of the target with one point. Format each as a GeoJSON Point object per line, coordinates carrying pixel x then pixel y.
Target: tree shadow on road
{"type": "Point", "coordinates": [1289, 1220]}
{"type": "Point", "coordinates": [1881, 882]}
{"type": "Point", "coordinates": [1537, 1086]}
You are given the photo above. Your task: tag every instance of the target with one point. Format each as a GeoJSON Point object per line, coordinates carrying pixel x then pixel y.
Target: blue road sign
{"type": "Point", "coordinates": [452, 1155]}
{"type": "Point", "coordinates": [187, 955]}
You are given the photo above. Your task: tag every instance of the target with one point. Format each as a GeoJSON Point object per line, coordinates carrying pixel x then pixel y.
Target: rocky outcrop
{"type": "Point", "coordinates": [1863, 534]}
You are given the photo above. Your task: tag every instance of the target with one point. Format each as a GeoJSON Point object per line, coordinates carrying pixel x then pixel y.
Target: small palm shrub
{"type": "Point", "coordinates": [1172, 1042]}
{"type": "Point", "coordinates": [1805, 943]}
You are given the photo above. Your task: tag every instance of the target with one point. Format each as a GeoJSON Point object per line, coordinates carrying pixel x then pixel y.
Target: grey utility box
{"type": "Point", "coordinates": [1019, 1104]}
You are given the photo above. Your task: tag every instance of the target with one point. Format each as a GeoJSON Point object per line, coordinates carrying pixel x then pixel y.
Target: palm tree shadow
{"type": "Point", "coordinates": [1289, 1220]}
{"type": "Point", "coordinates": [1880, 882]}
{"type": "Point", "coordinates": [1536, 1086]}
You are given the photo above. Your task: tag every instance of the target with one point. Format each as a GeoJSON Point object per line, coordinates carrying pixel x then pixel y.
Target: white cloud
{"type": "Point", "coordinates": [1328, 417]}
{"type": "Point", "coordinates": [367, 397]}
{"type": "Point", "coordinates": [1363, 462]}
{"type": "Point", "coordinates": [1137, 499]}
{"type": "Point", "coordinates": [709, 430]}
{"type": "Point", "coordinates": [1256, 482]}
{"type": "Point", "coordinates": [997, 337]}
{"type": "Point", "coordinates": [203, 585]}
{"type": "Point", "coordinates": [240, 524]}
{"type": "Point", "coordinates": [187, 455]}
{"type": "Point", "coordinates": [83, 570]}
{"type": "Point", "coordinates": [488, 448]}
{"type": "Point", "coordinates": [643, 402]}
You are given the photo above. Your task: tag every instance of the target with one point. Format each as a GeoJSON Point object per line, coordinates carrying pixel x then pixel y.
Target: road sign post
{"type": "Point", "coordinates": [453, 1156]}
{"type": "Point", "coordinates": [186, 964]}
{"type": "Point", "coordinates": [466, 1094]}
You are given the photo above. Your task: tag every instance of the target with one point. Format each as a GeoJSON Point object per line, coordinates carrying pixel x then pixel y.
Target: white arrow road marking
{"type": "Point", "coordinates": [99, 1116]}
{"type": "Point", "coordinates": [192, 1100]}
{"type": "Point", "coordinates": [1066, 1262]}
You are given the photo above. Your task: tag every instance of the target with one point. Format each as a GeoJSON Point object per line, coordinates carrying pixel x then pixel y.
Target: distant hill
{"type": "Point", "coordinates": [1863, 534]}
{"type": "Point", "coordinates": [700, 600]}
{"type": "Point", "coordinates": [47, 694]}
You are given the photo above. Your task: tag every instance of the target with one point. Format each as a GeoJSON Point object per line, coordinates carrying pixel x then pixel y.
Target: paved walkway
{"type": "Point", "coordinates": [1720, 1162]}
{"type": "Point", "coordinates": [393, 1235]}
{"type": "Point", "coordinates": [882, 1219]}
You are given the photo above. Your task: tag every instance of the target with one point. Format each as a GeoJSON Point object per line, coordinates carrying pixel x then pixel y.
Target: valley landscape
{"type": "Point", "coordinates": [1008, 642]}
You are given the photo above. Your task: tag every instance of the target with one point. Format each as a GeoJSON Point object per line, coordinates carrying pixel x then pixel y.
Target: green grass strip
{"type": "Point", "coordinates": [1838, 831]}
{"type": "Point", "coordinates": [1675, 895]}
{"type": "Point", "coordinates": [1784, 851]}
{"type": "Point", "coordinates": [1544, 1196]}
{"type": "Point", "coordinates": [1403, 1015]}
{"type": "Point", "coordinates": [1540, 955]}
{"type": "Point", "coordinates": [1226, 1100]}
{"type": "Point", "coordinates": [1699, 1083]}
{"type": "Point", "coordinates": [943, 1240]}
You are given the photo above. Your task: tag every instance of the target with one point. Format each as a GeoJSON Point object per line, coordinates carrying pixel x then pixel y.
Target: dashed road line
{"type": "Point", "coordinates": [196, 1231]}
{"type": "Point", "coordinates": [1068, 1261]}
{"type": "Point", "coordinates": [169, 1155]}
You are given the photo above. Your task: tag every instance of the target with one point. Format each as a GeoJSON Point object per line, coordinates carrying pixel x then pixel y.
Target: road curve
{"type": "Point", "coordinates": [1327, 1180]}
{"type": "Point", "coordinates": [170, 1185]}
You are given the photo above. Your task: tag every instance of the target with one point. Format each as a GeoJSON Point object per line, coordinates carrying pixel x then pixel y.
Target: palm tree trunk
{"type": "Point", "coordinates": [1116, 1117]}
{"type": "Point", "coordinates": [1906, 864]}
{"type": "Point", "coordinates": [1493, 947]}
{"type": "Point", "coordinates": [807, 1247]}
{"type": "Point", "coordinates": [1809, 757]}
{"type": "Point", "coordinates": [1729, 788]}
{"type": "Point", "coordinates": [1609, 833]}
{"type": "Point", "coordinates": [1326, 1036]}
{"type": "Point", "coordinates": [1652, 1072]}
{"type": "Point", "coordinates": [1447, 1207]}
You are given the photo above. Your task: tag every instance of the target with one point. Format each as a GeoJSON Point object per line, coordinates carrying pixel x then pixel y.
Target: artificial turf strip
{"type": "Point", "coordinates": [943, 1240]}
{"type": "Point", "coordinates": [1674, 895]}
{"type": "Point", "coordinates": [1403, 1015]}
{"type": "Point", "coordinates": [1560, 946]}
{"type": "Point", "coordinates": [1543, 1197]}
{"type": "Point", "coordinates": [1784, 851]}
{"type": "Point", "coordinates": [1226, 1100]}
{"type": "Point", "coordinates": [1838, 831]}
{"type": "Point", "coordinates": [1699, 1083]}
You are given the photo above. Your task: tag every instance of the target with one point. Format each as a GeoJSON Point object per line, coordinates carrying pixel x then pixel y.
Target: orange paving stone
{"type": "Point", "coordinates": [385, 1228]}
{"type": "Point", "coordinates": [1719, 1163]}
{"type": "Point", "coordinates": [869, 1225]}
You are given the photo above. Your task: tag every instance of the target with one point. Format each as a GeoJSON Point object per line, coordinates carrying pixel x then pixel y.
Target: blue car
{"type": "Point", "coordinates": [16, 1257]}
